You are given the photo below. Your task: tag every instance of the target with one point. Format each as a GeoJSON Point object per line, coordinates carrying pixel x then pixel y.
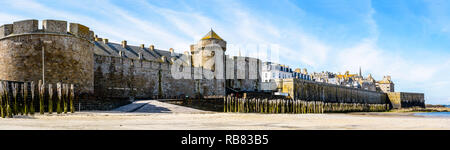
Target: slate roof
{"type": "Point", "coordinates": [113, 49]}
{"type": "Point", "coordinates": [211, 35]}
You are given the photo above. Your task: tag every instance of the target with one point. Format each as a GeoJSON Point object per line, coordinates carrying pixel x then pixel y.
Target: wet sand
{"type": "Point", "coordinates": [157, 115]}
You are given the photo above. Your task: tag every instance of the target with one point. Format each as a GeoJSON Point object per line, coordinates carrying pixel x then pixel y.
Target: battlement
{"type": "Point", "coordinates": [25, 26]}
{"type": "Point", "coordinates": [54, 26]}
{"type": "Point", "coordinates": [6, 30]}
{"type": "Point", "coordinates": [48, 26]}
{"type": "Point", "coordinates": [81, 31]}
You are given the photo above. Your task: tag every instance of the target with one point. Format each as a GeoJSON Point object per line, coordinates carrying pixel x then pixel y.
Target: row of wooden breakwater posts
{"type": "Point", "coordinates": [20, 98]}
{"type": "Point", "coordinates": [258, 105]}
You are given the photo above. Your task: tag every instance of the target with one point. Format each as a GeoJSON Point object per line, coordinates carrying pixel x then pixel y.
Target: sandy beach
{"type": "Point", "coordinates": [154, 115]}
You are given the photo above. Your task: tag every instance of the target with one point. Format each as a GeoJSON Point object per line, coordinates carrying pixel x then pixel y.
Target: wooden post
{"type": "Point", "coordinates": [25, 97]}
{"type": "Point", "coordinates": [66, 98]}
{"type": "Point", "coordinates": [2, 108]}
{"type": "Point", "coordinates": [58, 103]}
{"type": "Point", "coordinates": [50, 99]}
{"type": "Point", "coordinates": [15, 89]}
{"type": "Point", "coordinates": [71, 97]}
{"type": "Point", "coordinates": [33, 88]}
{"type": "Point", "coordinates": [9, 111]}
{"type": "Point", "coordinates": [41, 97]}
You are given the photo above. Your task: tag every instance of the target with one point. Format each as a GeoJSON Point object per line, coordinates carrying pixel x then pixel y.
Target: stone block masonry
{"type": "Point", "coordinates": [406, 100]}
{"type": "Point", "coordinates": [124, 77]}
{"type": "Point", "coordinates": [67, 58]}
{"type": "Point", "coordinates": [6, 30]}
{"type": "Point", "coordinates": [54, 26]}
{"type": "Point", "coordinates": [316, 91]}
{"type": "Point", "coordinates": [25, 26]}
{"type": "Point", "coordinates": [81, 31]}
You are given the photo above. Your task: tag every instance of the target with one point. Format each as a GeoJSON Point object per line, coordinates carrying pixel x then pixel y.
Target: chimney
{"type": "Point", "coordinates": [124, 43]}
{"type": "Point", "coordinates": [152, 47]}
{"type": "Point", "coordinates": [91, 35]}
{"type": "Point", "coordinates": [192, 47]}
{"type": "Point", "coordinates": [141, 56]}
{"type": "Point", "coordinates": [172, 53]}
{"type": "Point", "coordinates": [142, 46]}
{"type": "Point", "coordinates": [105, 41]}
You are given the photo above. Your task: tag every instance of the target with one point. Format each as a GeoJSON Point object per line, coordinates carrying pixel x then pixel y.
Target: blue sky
{"type": "Point", "coordinates": [407, 39]}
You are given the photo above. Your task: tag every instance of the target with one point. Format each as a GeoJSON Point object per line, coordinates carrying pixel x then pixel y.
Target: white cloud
{"type": "Point", "coordinates": [6, 18]}
{"type": "Point", "coordinates": [382, 62]}
{"type": "Point", "coordinates": [313, 52]}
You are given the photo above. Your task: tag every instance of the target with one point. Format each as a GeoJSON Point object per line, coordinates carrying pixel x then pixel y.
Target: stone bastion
{"type": "Point", "coordinates": [55, 52]}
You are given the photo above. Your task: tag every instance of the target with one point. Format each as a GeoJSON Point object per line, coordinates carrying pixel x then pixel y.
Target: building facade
{"type": "Point", "coordinates": [386, 85]}
{"type": "Point", "coordinates": [272, 71]}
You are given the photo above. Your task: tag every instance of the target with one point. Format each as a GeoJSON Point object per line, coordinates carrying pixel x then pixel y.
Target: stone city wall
{"type": "Point", "coordinates": [405, 100]}
{"type": "Point", "coordinates": [316, 91]}
{"type": "Point", "coordinates": [130, 76]}
{"type": "Point", "coordinates": [127, 77]}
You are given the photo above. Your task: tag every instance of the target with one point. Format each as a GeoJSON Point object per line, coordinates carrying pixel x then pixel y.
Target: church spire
{"type": "Point", "coordinates": [360, 73]}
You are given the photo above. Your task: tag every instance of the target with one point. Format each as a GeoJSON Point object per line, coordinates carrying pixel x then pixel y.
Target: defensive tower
{"type": "Point", "coordinates": [54, 53]}
{"type": "Point", "coordinates": [206, 50]}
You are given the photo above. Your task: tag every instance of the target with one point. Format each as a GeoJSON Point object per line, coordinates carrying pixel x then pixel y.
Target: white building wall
{"type": "Point", "coordinates": [271, 71]}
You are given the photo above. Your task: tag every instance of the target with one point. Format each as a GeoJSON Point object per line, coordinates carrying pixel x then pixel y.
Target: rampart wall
{"type": "Point", "coordinates": [405, 100]}
{"type": "Point", "coordinates": [317, 91]}
{"type": "Point", "coordinates": [127, 77]}
{"type": "Point", "coordinates": [123, 70]}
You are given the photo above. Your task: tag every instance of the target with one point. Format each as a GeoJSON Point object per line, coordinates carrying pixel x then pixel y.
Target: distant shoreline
{"type": "Point", "coordinates": [394, 114]}
{"type": "Point", "coordinates": [437, 105]}
{"type": "Point", "coordinates": [155, 115]}
{"type": "Point", "coordinates": [428, 108]}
